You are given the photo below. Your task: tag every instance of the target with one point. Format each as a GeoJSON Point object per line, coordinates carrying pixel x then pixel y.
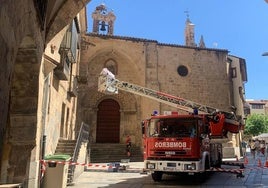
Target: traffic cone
{"type": "Point", "coordinates": [245, 160]}
{"type": "Point", "coordinates": [266, 163]}
{"type": "Point", "coordinates": [259, 163]}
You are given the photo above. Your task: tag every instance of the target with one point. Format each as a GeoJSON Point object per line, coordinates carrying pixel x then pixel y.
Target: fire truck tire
{"type": "Point", "coordinates": [207, 165]}
{"type": "Point", "coordinates": [219, 162]}
{"type": "Point", "coordinates": [157, 176]}
{"type": "Point", "coordinates": [203, 175]}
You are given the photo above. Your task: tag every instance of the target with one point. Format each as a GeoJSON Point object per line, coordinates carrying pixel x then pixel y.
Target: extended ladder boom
{"type": "Point", "coordinates": [109, 84]}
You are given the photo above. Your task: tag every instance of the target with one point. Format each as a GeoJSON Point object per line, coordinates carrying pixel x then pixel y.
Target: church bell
{"type": "Point", "coordinates": [103, 26]}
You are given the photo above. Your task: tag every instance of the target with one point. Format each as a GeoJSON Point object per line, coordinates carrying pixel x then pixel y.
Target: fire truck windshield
{"type": "Point", "coordinates": [173, 127]}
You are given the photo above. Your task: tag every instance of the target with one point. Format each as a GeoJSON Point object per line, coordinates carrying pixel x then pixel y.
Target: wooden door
{"type": "Point", "coordinates": [108, 122]}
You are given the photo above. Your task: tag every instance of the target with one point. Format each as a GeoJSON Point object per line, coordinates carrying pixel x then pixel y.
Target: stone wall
{"type": "Point", "coordinates": [22, 44]}
{"type": "Point", "coordinates": [207, 81]}
{"type": "Point", "coordinates": [26, 29]}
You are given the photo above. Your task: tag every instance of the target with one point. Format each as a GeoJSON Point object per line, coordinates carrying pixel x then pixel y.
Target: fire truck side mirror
{"type": "Point", "coordinates": [216, 119]}
{"type": "Point", "coordinates": [143, 127]}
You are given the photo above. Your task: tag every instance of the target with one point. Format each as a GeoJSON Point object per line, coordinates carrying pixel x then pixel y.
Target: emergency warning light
{"type": "Point", "coordinates": [155, 112]}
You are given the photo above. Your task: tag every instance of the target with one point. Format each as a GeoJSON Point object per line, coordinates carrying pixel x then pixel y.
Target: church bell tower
{"type": "Point", "coordinates": [103, 21]}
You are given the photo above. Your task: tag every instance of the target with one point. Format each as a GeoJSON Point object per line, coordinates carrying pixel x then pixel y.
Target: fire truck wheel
{"type": "Point", "coordinates": [157, 176]}
{"type": "Point", "coordinates": [219, 162]}
{"type": "Point", "coordinates": [207, 165]}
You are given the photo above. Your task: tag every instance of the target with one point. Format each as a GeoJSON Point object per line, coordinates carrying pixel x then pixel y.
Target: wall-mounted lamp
{"type": "Point", "coordinates": [52, 48]}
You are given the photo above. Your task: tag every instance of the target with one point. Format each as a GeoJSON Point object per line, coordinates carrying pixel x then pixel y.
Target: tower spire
{"type": "Point", "coordinates": [189, 31]}
{"type": "Point", "coordinates": [202, 42]}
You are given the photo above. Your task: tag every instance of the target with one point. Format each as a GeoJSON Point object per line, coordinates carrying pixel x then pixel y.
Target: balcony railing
{"type": "Point", "coordinates": [73, 87]}
{"type": "Point", "coordinates": [69, 43]}
{"type": "Point", "coordinates": [62, 71]}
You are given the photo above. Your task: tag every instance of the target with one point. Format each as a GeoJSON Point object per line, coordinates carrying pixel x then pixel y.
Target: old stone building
{"type": "Point", "coordinates": [189, 71]}
{"type": "Point", "coordinates": [257, 106]}
{"type": "Point", "coordinates": [58, 81]}
{"type": "Point", "coordinates": [32, 97]}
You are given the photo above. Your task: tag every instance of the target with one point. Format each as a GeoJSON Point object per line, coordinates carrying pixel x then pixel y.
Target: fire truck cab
{"type": "Point", "coordinates": [179, 144]}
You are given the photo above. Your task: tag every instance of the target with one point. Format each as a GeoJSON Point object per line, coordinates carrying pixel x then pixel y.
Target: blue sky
{"type": "Point", "coordinates": [236, 25]}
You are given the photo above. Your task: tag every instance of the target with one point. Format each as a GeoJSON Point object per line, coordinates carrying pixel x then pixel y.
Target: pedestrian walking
{"type": "Point", "coordinates": [128, 145]}
{"type": "Point", "coordinates": [252, 148]}
{"type": "Point", "coordinates": [244, 147]}
{"type": "Point", "coordinates": [257, 147]}
{"type": "Point", "coordinates": [266, 148]}
{"type": "Point", "coordinates": [262, 147]}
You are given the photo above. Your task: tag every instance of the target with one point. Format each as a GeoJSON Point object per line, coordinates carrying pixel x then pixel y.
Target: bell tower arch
{"type": "Point", "coordinates": [103, 20]}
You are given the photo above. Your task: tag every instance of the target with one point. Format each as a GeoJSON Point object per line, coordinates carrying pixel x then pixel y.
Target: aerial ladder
{"type": "Point", "coordinates": [108, 84]}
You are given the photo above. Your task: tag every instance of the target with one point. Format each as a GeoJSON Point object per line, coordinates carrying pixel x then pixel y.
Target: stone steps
{"type": "Point", "coordinates": [108, 152]}
{"type": "Point", "coordinates": [66, 147]}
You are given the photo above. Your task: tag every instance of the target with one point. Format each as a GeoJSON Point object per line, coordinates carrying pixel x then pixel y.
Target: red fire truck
{"type": "Point", "coordinates": [178, 143]}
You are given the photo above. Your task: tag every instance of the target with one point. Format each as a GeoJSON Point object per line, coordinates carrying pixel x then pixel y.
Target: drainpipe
{"type": "Point", "coordinates": [43, 146]}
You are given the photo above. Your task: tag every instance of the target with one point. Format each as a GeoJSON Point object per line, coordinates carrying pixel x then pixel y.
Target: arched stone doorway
{"type": "Point", "coordinates": [108, 122]}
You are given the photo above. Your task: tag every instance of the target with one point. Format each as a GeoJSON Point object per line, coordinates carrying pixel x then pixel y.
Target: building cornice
{"type": "Point", "coordinates": [152, 41]}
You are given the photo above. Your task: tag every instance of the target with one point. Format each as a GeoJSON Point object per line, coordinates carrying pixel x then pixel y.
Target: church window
{"type": "Point", "coordinates": [182, 70]}
{"type": "Point", "coordinates": [234, 73]}
{"type": "Point", "coordinates": [111, 66]}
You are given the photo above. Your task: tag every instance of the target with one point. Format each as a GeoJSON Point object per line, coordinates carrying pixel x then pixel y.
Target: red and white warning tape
{"type": "Point", "coordinates": [43, 162]}
{"type": "Point", "coordinates": [243, 166]}
{"type": "Point", "coordinates": [236, 171]}
{"type": "Point", "coordinates": [89, 165]}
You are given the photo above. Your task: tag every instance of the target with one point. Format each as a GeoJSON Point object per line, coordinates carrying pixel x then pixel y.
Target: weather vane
{"type": "Point", "coordinates": [187, 13]}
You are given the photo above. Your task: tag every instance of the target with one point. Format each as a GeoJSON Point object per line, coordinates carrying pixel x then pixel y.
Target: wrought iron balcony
{"type": "Point", "coordinates": [73, 87]}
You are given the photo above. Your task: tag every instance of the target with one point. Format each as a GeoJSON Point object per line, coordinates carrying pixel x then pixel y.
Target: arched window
{"type": "Point", "coordinates": [111, 65]}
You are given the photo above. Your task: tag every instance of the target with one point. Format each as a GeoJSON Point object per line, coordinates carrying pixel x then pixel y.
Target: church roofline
{"type": "Point", "coordinates": [155, 41]}
{"type": "Point", "coordinates": [193, 47]}
{"type": "Point", "coordinates": [234, 56]}
{"type": "Point", "coordinates": [120, 37]}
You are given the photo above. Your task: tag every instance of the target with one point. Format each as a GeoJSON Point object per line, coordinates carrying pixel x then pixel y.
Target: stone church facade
{"type": "Point", "coordinates": [190, 71]}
